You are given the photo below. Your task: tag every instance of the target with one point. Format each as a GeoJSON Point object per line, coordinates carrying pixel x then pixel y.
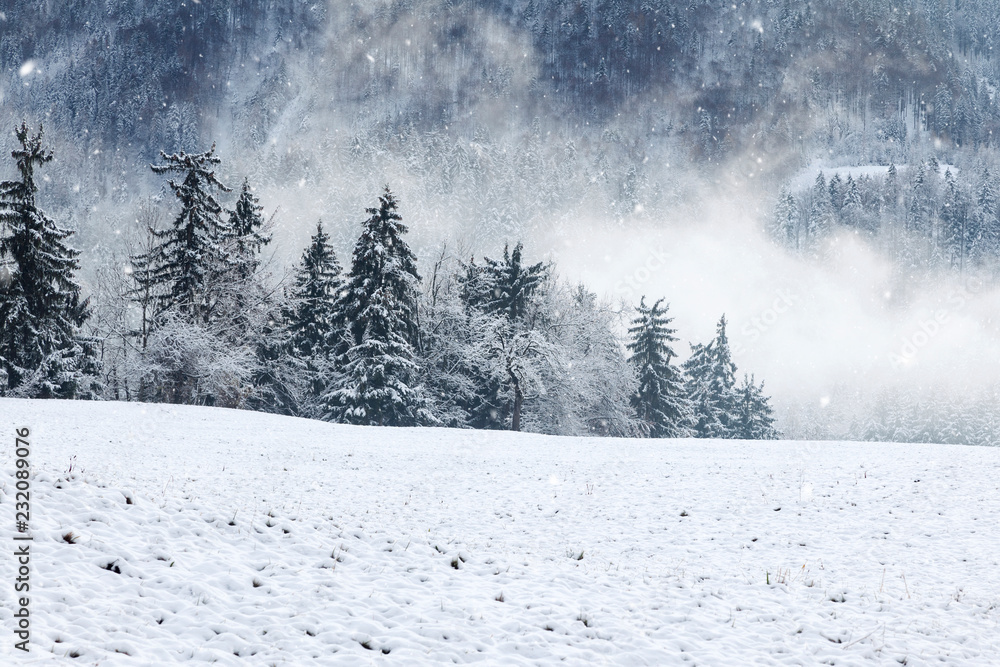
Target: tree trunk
{"type": "Point", "coordinates": [515, 421]}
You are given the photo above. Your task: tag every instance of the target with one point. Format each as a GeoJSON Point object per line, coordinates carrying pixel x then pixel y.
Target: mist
{"type": "Point", "coordinates": [649, 186]}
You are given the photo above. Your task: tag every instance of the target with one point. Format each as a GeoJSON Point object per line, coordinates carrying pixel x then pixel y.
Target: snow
{"type": "Point", "coordinates": [232, 534]}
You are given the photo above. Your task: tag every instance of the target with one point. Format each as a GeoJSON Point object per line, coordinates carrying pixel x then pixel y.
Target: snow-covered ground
{"type": "Point", "coordinates": [242, 538]}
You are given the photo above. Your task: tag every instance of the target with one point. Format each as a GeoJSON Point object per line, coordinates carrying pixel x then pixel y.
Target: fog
{"type": "Point", "coordinates": [468, 135]}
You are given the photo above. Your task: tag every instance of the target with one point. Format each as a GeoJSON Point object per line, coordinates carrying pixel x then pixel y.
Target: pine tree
{"type": "Point", "coordinates": [785, 224]}
{"type": "Point", "coordinates": [954, 222]}
{"type": "Point", "coordinates": [311, 321]}
{"type": "Point", "coordinates": [986, 241]}
{"type": "Point", "coordinates": [379, 306]}
{"type": "Point", "coordinates": [475, 287]}
{"type": "Point", "coordinates": [42, 354]}
{"type": "Point", "coordinates": [820, 214]}
{"type": "Point", "coordinates": [317, 287]}
{"type": "Point", "coordinates": [853, 211]}
{"type": "Point", "coordinates": [376, 390]}
{"type": "Point", "coordinates": [660, 400]}
{"type": "Point", "coordinates": [502, 287]}
{"type": "Point", "coordinates": [711, 377]}
{"type": "Point", "coordinates": [837, 189]}
{"type": "Point", "coordinates": [498, 296]}
{"type": "Point", "coordinates": [381, 260]}
{"type": "Point", "coordinates": [188, 255]}
{"type": "Point", "coordinates": [754, 415]}
{"type": "Point", "coordinates": [244, 235]}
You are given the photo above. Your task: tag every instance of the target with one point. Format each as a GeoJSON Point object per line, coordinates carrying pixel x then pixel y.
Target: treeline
{"type": "Point", "coordinates": [193, 314]}
{"type": "Point", "coordinates": [923, 216]}
{"type": "Point", "coordinates": [958, 416]}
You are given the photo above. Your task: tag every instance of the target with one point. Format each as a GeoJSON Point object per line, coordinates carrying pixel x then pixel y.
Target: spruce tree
{"type": "Point", "coordinates": [785, 222]}
{"type": "Point", "coordinates": [244, 235]}
{"type": "Point", "coordinates": [958, 234]}
{"type": "Point", "coordinates": [754, 418]}
{"type": "Point", "coordinates": [503, 290]}
{"type": "Point", "coordinates": [314, 296]}
{"type": "Point", "coordinates": [660, 400]}
{"type": "Point", "coordinates": [986, 240]}
{"type": "Point", "coordinates": [711, 376]}
{"type": "Point", "coordinates": [381, 259]}
{"type": "Point", "coordinates": [313, 333]}
{"type": "Point", "coordinates": [502, 286]}
{"type": "Point", "coordinates": [512, 283]}
{"type": "Point", "coordinates": [190, 253]}
{"type": "Point", "coordinates": [42, 354]}
{"type": "Point", "coordinates": [378, 307]}
{"type": "Point", "coordinates": [820, 214]}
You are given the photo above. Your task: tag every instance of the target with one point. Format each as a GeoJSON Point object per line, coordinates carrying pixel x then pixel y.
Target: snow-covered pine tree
{"type": "Point", "coordinates": [312, 329]}
{"type": "Point", "coordinates": [250, 309]}
{"type": "Point", "coordinates": [711, 377]}
{"type": "Point", "coordinates": [754, 415]}
{"type": "Point", "coordinates": [837, 189]}
{"type": "Point", "coordinates": [42, 354]}
{"type": "Point", "coordinates": [475, 287]}
{"type": "Point", "coordinates": [378, 307]}
{"type": "Point", "coordinates": [376, 390]}
{"type": "Point", "coordinates": [955, 223]}
{"type": "Point", "coordinates": [386, 261]}
{"type": "Point", "coordinates": [511, 284]}
{"type": "Point", "coordinates": [785, 221]}
{"type": "Point", "coordinates": [245, 237]}
{"type": "Point", "coordinates": [853, 213]}
{"type": "Point", "coordinates": [820, 215]}
{"type": "Point", "coordinates": [499, 296]}
{"type": "Point", "coordinates": [660, 400]}
{"type": "Point", "coordinates": [190, 253]}
{"type": "Point", "coordinates": [984, 242]}
{"type": "Point", "coordinates": [314, 295]}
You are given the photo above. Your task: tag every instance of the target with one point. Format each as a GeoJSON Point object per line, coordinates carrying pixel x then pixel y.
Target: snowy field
{"type": "Point", "coordinates": [178, 534]}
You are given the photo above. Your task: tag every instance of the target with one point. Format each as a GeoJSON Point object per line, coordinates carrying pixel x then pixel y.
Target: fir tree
{"type": "Point", "coordinates": [244, 234]}
{"type": "Point", "coordinates": [853, 211]}
{"type": "Point", "coordinates": [381, 260]}
{"type": "Point", "coordinates": [504, 290]}
{"type": "Point", "coordinates": [379, 308]}
{"type": "Point", "coordinates": [754, 417]}
{"type": "Point", "coordinates": [475, 288]}
{"type": "Point", "coordinates": [986, 240]}
{"type": "Point", "coordinates": [837, 189]}
{"type": "Point", "coordinates": [190, 253]}
{"type": "Point", "coordinates": [785, 223]}
{"type": "Point", "coordinates": [376, 390]}
{"type": "Point", "coordinates": [313, 332]}
{"type": "Point", "coordinates": [711, 376]}
{"type": "Point", "coordinates": [314, 296]}
{"type": "Point", "coordinates": [954, 222]}
{"type": "Point", "coordinates": [818, 222]}
{"type": "Point", "coordinates": [660, 399]}
{"type": "Point", "coordinates": [502, 287]}
{"type": "Point", "coordinates": [42, 354]}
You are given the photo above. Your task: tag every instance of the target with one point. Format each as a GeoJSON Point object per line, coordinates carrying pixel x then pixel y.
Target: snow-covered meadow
{"type": "Point", "coordinates": [180, 534]}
